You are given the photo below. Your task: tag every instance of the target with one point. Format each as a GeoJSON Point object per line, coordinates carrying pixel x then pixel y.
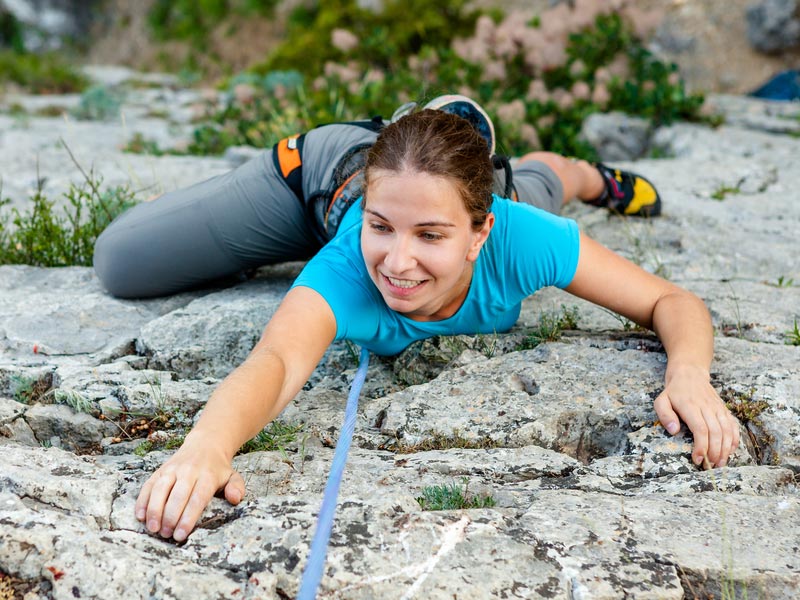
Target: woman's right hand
{"type": "Point", "coordinates": [173, 498]}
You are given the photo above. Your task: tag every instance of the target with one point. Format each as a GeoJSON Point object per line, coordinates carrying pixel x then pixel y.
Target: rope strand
{"type": "Point", "coordinates": [319, 545]}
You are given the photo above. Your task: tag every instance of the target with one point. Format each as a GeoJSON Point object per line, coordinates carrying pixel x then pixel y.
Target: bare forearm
{"type": "Point", "coordinates": [683, 324]}
{"type": "Point", "coordinates": [243, 403]}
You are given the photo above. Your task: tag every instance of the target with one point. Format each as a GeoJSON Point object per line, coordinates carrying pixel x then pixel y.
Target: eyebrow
{"type": "Point", "coordinates": [425, 224]}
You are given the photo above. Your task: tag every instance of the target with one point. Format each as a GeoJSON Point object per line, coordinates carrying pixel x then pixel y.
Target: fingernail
{"type": "Point", "coordinates": [179, 535]}
{"type": "Point", "coordinates": [153, 525]}
{"type": "Point", "coordinates": [165, 532]}
{"type": "Point", "coordinates": [672, 427]}
{"type": "Point", "coordinates": [140, 514]}
{"type": "Point", "coordinates": [698, 460]}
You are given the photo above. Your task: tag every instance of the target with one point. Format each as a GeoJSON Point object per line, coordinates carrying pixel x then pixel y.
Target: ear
{"type": "Point", "coordinates": [480, 237]}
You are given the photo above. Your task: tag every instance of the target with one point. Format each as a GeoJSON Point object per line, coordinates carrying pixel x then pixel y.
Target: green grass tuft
{"type": "Point", "coordinates": [452, 497]}
{"type": "Point", "coordinates": [275, 436]}
{"type": "Point", "coordinates": [793, 336]}
{"type": "Point", "coordinates": [551, 326]}
{"type": "Point", "coordinates": [441, 441]}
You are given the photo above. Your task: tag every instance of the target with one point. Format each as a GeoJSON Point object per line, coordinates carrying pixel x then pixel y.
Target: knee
{"type": "Point", "coordinates": [110, 264]}
{"type": "Point", "coordinates": [551, 159]}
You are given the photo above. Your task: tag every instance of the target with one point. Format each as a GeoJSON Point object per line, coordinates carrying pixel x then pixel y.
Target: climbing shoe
{"type": "Point", "coordinates": [468, 109]}
{"type": "Point", "coordinates": [627, 193]}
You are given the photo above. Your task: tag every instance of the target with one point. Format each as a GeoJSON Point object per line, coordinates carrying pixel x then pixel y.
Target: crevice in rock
{"type": "Point", "coordinates": [529, 384]}
{"type": "Point", "coordinates": [13, 587]}
{"type": "Point", "coordinates": [760, 443]}
{"type": "Point", "coordinates": [702, 585]}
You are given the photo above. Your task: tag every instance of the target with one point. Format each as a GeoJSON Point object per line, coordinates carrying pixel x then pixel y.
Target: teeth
{"type": "Point", "coordinates": [404, 283]}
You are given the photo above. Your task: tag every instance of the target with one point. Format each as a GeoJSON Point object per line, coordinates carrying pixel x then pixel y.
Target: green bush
{"type": "Point", "coordinates": [385, 39]}
{"type": "Point", "coordinates": [46, 237]}
{"type": "Point", "coordinates": [194, 19]}
{"type": "Point", "coordinates": [48, 73]}
{"type": "Point", "coordinates": [342, 62]}
{"type": "Point", "coordinates": [11, 32]}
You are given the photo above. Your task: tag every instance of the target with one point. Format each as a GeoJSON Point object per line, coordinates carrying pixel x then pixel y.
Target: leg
{"type": "Point", "coordinates": [214, 229]}
{"type": "Point", "coordinates": [622, 192]}
{"type": "Point", "coordinates": [579, 179]}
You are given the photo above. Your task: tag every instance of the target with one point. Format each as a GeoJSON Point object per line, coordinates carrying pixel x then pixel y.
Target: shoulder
{"type": "Point", "coordinates": [529, 223]}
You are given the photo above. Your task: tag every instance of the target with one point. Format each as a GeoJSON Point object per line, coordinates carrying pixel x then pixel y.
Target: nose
{"type": "Point", "coordinates": [399, 256]}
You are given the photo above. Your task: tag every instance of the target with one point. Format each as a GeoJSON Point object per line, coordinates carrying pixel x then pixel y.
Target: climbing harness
{"type": "Point", "coordinates": [319, 545]}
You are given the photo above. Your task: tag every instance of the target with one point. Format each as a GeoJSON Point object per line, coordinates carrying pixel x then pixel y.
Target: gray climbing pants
{"type": "Point", "coordinates": [231, 223]}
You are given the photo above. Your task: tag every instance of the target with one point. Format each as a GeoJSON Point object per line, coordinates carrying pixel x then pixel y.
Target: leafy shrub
{"type": "Point", "coordinates": [47, 73]}
{"type": "Point", "coordinates": [537, 80]}
{"type": "Point", "coordinates": [98, 103]}
{"type": "Point", "coordinates": [46, 237]}
{"type": "Point", "coordinates": [194, 19]}
{"type": "Point", "coordinates": [11, 35]}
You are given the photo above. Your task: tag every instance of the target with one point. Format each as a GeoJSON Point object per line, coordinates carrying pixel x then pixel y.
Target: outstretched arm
{"type": "Point", "coordinates": [173, 498]}
{"type": "Point", "coordinates": [681, 321]}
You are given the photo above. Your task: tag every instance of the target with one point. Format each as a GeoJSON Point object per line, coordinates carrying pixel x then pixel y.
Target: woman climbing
{"type": "Point", "coordinates": [429, 250]}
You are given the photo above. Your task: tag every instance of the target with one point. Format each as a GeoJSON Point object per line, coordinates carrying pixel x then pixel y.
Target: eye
{"type": "Point", "coordinates": [430, 236]}
{"type": "Point", "coordinates": [379, 227]}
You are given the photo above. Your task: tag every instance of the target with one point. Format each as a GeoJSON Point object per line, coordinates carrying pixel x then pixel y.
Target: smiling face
{"type": "Point", "coordinates": [418, 242]}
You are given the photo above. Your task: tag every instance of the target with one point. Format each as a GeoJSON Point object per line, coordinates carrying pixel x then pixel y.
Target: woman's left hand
{"type": "Point", "coordinates": [688, 395]}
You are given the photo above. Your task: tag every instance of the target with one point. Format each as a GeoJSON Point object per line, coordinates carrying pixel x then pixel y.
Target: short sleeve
{"type": "Point", "coordinates": [341, 279]}
{"type": "Point", "coordinates": [542, 249]}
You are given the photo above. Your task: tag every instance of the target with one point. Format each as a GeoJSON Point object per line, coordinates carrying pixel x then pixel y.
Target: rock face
{"type": "Point", "coordinates": [773, 25]}
{"type": "Point", "coordinates": [48, 22]}
{"type": "Point", "coordinates": [589, 497]}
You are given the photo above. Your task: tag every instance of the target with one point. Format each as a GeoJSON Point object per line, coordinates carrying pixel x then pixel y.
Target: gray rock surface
{"type": "Point", "coordinates": [617, 136]}
{"type": "Point", "coordinates": [773, 25]}
{"type": "Point", "coordinates": [591, 498]}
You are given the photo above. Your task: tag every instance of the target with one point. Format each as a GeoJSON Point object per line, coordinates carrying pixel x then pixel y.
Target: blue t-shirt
{"type": "Point", "coordinates": [526, 250]}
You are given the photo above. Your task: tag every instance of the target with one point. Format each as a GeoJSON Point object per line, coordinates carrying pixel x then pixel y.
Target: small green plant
{"type": "Point", "coordinates": [486, 344]}
{"type": "Point", "coordinates": [352, 352]}
{"type": "Point", "coordinates": [782, 282]}
{"type": "Point", "coordinates": [724, 191]}
{"type": "Point", "coordinates": [748, 411]}
{"type": "Point", "coordinates": [739, 327]}
{"type": "Point", "coordinates": [452, 497]}
{"type": "Point", "coordinates": [144, 448]}
{"type": "Point", "coordinates": [793, 335]}
{"type": "Point", "coordinates": [98, 103]}
{"type": "Point", "coordinates": [74, 399]}
{"type": "Point", "coordinates": [626, 323]}
{"type": "Point", "coordinates": [275, 436]}
{"type": "Point", "coordinates": [441, 441]}
{"type": "Point", "coordinates": [27, 389]}
{"type": "Point", "coordinates": [139, 144]}
{"type": "Point", "coordinates": [45, 237]}
{"type": "Point", "coordinates": [551, 325]}
{"type": "Point", "coordinates": [171, 443]}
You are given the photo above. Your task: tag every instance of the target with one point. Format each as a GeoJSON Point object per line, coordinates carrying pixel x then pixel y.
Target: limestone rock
{"type": "Point", "coordinates": [213, 334]}
{"type": "Point", "coordinates": [591, 498]}
{"type": "Point", "coordinates": [773, 25]}
{"type": "Point", "coordinates": [61, 426]}
{"type": "Point", "coordinates": [617, 136]}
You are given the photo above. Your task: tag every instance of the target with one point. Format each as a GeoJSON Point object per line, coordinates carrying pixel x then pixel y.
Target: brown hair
{"type": "Point", "coordinates": [440, 144]}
